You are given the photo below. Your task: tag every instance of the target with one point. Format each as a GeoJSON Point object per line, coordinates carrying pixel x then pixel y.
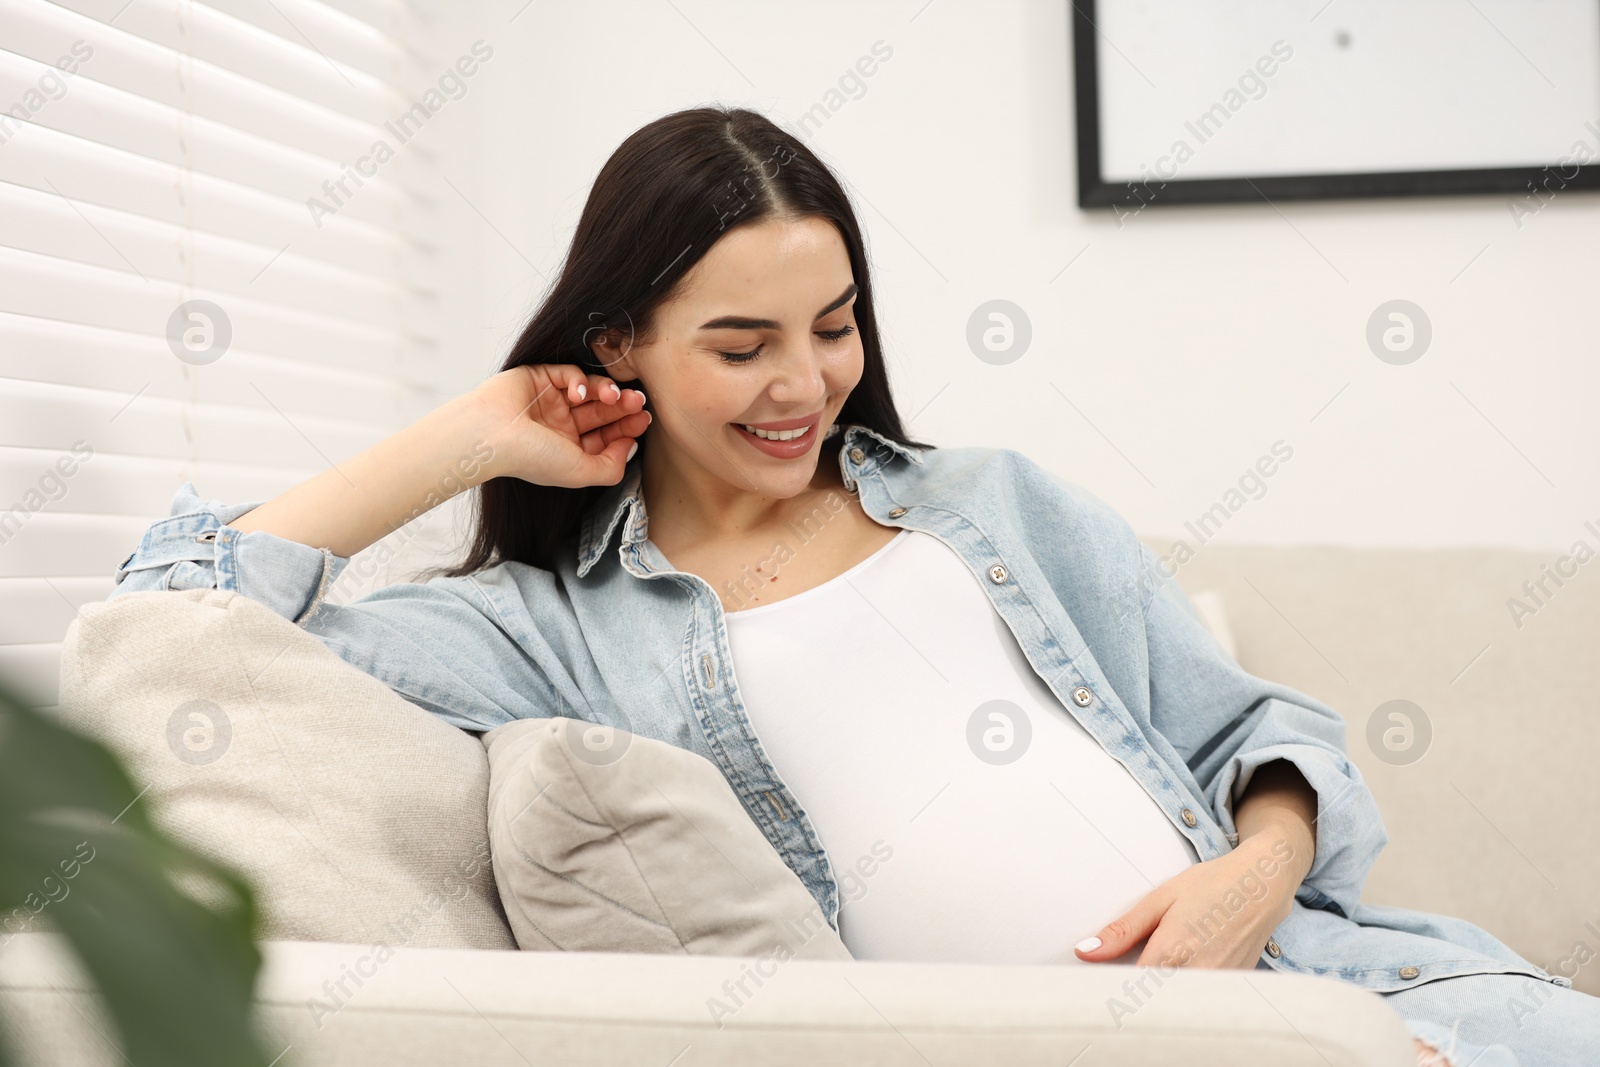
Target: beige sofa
{"type": "Point", "coordinates": [361, 821]}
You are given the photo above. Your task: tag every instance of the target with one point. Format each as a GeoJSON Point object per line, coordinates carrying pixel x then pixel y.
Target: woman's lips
{"type": "Point", "coordinates": [795, 446]}
{"type": "Point", "coordinates": [786, 424]}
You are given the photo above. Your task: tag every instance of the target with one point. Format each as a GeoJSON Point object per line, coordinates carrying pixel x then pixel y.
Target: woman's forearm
{"type": "Point", "coordinates": [356, 503]}
{"type": "Point", "coordinates": [547, 424]}
{"type": "Point", "coordinates": [1280, 805]}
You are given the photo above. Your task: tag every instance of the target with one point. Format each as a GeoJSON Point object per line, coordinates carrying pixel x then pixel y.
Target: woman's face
{"type": "Point", "coordinates": [761, 332]}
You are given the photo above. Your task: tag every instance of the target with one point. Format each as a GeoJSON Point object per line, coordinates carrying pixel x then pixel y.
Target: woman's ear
{"type": "Point", "coordinates": [615, 350]}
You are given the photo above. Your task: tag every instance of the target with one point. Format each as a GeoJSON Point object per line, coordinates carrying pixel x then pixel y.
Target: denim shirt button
{"type": "Point", "coordinates": [1409, 972]}
{"type": "Point", "coordinates": [896, 513]}
{"type": "Point", "coordinates": [997, 574]}
{"type": "Point", "coordinates": [1188, 817]}
{"type": "Point", "coordinates": [1273, 950]}
{"type": "Point", "coordinates": [1082, 697]}
{"type": "Point", "coordinates": [856, 455]}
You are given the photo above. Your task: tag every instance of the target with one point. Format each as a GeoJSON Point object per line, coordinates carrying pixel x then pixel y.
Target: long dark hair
{"type": "Point", "coordinates": [666, 195]}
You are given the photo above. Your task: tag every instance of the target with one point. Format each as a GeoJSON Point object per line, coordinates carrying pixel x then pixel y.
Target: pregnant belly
{"type": "Point", "coordinates": [1009, 864]}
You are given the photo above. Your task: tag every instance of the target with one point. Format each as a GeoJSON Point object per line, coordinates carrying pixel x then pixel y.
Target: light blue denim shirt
{"type": "Point", "coordinates": [616, 636]}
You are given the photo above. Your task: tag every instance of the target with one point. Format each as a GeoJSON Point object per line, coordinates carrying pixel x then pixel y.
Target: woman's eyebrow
{"type": "Point", "coordinates": [839, 301]}
{"type": "Point", "coordinates": [737, 322]}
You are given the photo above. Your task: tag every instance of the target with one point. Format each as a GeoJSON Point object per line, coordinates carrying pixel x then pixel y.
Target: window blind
{"type": "Point", "coordinates": [172, 308]}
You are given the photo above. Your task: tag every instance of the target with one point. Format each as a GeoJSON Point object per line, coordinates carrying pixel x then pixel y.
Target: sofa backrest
{"type": "Point", "coordinates": [1488, 792]}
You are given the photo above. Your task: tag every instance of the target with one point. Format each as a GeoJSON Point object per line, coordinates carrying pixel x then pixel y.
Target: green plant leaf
{"type": "Point", "coordinates": [166, 934]}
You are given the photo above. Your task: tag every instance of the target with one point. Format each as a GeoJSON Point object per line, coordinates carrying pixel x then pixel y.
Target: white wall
{"type": "Point", "coordinates": [1188, 339]}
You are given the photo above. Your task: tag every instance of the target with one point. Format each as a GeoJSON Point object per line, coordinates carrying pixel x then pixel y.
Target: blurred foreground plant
{"type": "Point", "coordinates": [175, 974]}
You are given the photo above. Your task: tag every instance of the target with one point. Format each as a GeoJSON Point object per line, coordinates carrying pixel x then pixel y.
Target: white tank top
{"type": "Point", "coordinates": [967, 815]}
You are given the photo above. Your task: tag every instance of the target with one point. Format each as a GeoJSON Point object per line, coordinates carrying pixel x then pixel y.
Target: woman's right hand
{"type": "Point", "coordinates": [554, 424]}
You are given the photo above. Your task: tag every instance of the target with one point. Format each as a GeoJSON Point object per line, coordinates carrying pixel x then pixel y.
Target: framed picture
{"type": "Point", "coordinates": [1184, 101]}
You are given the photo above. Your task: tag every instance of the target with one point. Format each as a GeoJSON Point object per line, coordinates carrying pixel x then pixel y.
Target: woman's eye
{"type": "Point", "coordinates": [739, 357]}
{"type": "Point", "coordinates": [827, 335]}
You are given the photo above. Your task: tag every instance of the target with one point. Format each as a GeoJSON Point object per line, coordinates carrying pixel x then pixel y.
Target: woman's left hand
{"type": "Point", "coordinates": [1218, 913]}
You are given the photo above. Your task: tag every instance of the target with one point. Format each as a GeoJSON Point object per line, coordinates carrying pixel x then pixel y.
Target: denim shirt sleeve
{"type": "Point", "coordinates": [466, 649]}
{"type": "Point", "coordinates": [1225, 722]}
{"type": "Point", "coordinates": [195, 548]}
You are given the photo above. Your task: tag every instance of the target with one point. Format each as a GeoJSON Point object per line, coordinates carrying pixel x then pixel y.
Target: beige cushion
{"type": "Point", "coordinates": [357, 816]}
{"type": "Point", "coordinates": [604, 841]}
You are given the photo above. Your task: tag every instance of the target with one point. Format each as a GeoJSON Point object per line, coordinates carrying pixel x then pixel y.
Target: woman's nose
{"type": "Point", "coordinates": [802, 377]}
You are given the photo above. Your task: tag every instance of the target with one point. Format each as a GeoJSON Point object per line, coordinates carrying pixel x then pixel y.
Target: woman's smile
{"type": "Point", "coordinates": [784, 439]}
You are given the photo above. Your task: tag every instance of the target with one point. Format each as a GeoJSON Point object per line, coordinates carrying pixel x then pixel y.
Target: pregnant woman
{"type": "Point", "coordinates": [870, 637]}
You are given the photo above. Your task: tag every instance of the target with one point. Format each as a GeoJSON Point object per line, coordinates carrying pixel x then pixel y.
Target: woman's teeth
{"type": "Point", "coordinates": [777, 435]}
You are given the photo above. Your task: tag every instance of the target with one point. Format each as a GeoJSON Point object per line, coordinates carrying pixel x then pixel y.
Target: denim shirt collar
{"type": "Point", "coordinates": [625, 500]}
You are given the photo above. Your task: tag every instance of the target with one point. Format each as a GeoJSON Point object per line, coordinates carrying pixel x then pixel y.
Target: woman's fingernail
{"type": "Point", "coordinates": [631, 450]}
{"type": "Point", "coordinates": [1088, 944]}
{"type": "Point", "coordinates": [583, 390]}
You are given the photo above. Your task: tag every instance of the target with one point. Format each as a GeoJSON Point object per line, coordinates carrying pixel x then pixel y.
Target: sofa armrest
{"type": "Point", "coordinates": [353, 1006]}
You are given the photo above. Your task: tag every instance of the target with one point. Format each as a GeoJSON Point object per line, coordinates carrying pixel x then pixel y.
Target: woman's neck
{"type": "Point", "coordinates": [688, 504]}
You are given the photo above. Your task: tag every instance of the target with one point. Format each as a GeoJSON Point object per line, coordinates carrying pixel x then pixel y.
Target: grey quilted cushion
{"type": "Point", "coordinates": [604, 841]}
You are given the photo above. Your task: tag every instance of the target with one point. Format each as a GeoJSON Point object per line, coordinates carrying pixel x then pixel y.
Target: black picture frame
{"type": "Point", "coordinates": [1095, 192]}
